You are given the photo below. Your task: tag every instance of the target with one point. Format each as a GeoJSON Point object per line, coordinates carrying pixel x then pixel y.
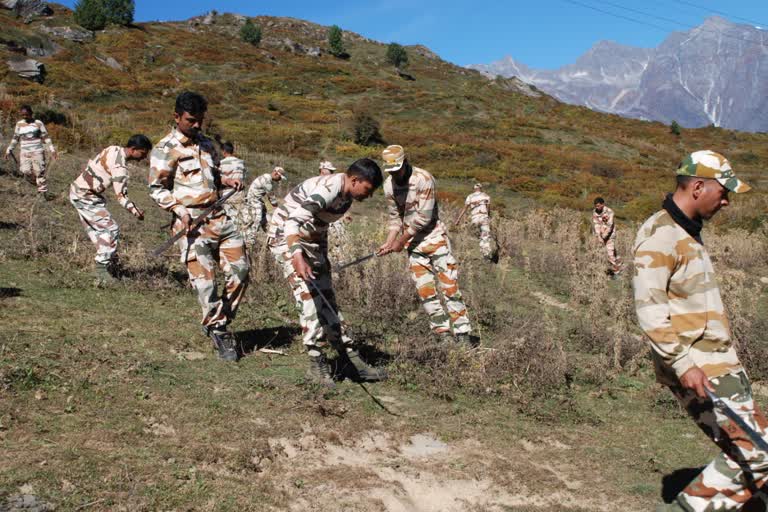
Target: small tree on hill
{"type": "Point", "coordinates": [674, 128]}
{"type": "Point", "coordinates": [250, 33]}
{"type": "Point", "coordinates": [90, 14]}
{"type": "Point", "coordinates": [366, 129]}
{"type": "Point", "coordinates": [335, 42]}
{"type": "Point", "coordinates": [396, 55]}
{"type": "Point", "coordinates": [119, 12]}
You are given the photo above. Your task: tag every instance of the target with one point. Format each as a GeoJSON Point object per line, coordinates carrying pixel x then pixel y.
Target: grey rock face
{"type": "Point", "coordinates": [78, 35]}
{"type": "Point", "coordinates": [28, 68]}
{"type": "Point", "coordinates": [716, 73]}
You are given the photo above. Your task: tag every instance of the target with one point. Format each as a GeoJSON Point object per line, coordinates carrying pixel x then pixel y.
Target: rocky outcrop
{"type": "Point", "coordinates": [28, 9]}
{"type": "Point", "coordinates": [517, 85]}
{"type": "Point", "coordinates": [111, 62]}
{"type": "Point", "coordinates": [78, 35]}
{"type": "Point", "coordinates": [28, 68]}
{"type": "Point", "coordinates": [289, 45]}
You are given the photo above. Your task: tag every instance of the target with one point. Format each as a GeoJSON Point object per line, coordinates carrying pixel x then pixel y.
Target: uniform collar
{"type": "Point", "coordinates": [185, 141]}
{"type": "Point", "coordinates": [692, 227]}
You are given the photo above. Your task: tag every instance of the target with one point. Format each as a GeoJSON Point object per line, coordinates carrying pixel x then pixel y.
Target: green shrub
{"type": "Point", "coordinates": [335, 42]}
{"type": "Point", "coordinates": [366, 129]}
{"type": "Point", "coordinates": [119, 12]}
{"type": "Point", "coordinates": [251, 33]}
{"type": "Point", "coordinates": [396, 55]}
{"type": "Point", "coordinates": [674, 128]}
{"type": "Point", "coordinates": [90, 14]}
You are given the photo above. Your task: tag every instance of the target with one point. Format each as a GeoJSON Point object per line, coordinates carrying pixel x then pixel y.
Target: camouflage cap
{"type": "Point", "coordinates": [279, 170]}
{"type": "Point", "coordinates": [326, 164]}
{"type": "Point", "coordinates": [393, 156]}
{"type": "Point", "coordinates": [708, 164]}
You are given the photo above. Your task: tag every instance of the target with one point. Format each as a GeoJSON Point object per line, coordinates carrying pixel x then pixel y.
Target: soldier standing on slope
{"type": "Point", "coordinates": [414, 224]}
{"type": "Point", "coordinates": [256, 211]}
{"type": "Point", "coordinates": [479, 205]}
{"type": "Point", "coordinates": [233, 169]}
{"type": "Point", "coordinates": [298, 239]}
{"type": "Point", "coordinates": [30, 134]}
{"type": "Point", "coordinates": [184, 179]}
{"type": "Point", "coordinates": [679, 308]}
{"type": "Point", "coordinates": [605, 231]}
{"type": "Point", "coordinates": [87, 195]}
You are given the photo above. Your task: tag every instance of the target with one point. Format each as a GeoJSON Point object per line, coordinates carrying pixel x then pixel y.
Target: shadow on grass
{"type": "Point", "coordinates": [273, 337]}
{"type": "Point", "coordinates": [7, 293]}
{"type": "Point", "coordinates": [673, 483]}
{"type": "Point", "coordinates": [10, 225]}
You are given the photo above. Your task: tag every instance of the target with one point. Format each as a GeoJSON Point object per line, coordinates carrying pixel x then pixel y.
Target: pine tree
{"type": "Point", "coordinates": [674, 128]}
{"type": "Point", "coordinates": [335, 42]}
{"type": "Point", "coordinates": [396, 55]}
{"type": "Point", "coordinates": [90, 14]}
{"type": "Point", "coordinates": [250, 33]}
{"type": "Point", "coordinates": [119, 12]}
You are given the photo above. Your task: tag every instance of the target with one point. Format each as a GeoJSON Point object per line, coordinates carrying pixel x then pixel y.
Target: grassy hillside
{"type": "Point", "coordinates": [269, 100]}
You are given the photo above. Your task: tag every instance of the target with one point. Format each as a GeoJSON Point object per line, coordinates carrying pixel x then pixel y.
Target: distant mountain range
{"type": "Point", "coordinates": [716, 73]}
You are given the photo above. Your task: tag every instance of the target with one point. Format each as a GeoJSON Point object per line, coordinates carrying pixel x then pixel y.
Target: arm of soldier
{"type": "Point", "coordinates": [461, 213]}
{"type": "Point", "coordinates": [608, 226]}
{"type": "Point", "coordinates": [120, 186]}
{"type": "Point", "coordinates": [161, 171]}
{"type": "Point", "coordinates": [233, 176]}
{"type": "Point", "coordinates": [394, 223]}
{"type": "Point", "coordinates": [14, 141]}
{"type": "Point", "coordinates": [317, 201]}
{"type": "Point", "coordinates": [47, 139]}
{"type": "Point", "coordinates": [655, 260]}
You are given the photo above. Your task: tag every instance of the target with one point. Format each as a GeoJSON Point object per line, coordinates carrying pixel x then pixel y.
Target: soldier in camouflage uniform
{"type": "Point", "coordinates": [414, 224]}
{"type": "Point", "coordinates": [680, 310]}
{"type": "Point", "coordinates": [87, 195]}
{"type": "Point", "coordinates": [605, 231]}
{"type": "Point", "coordinates": [30, 134]}
{"type": "Point", "coordinates": [337, 231]}
{"type": "Point", "coordinates": [233, 168]}
{"type": "Point", "coordinates": [479, 205]}
{"type": "Point", "coordinates": [298, 239]}
{"type": "Point", "coordinates": [326, 168]}
{"type": "Point", "coordinates": [255, 217]}
{"type": "Point", "coordinates": [184, 178]}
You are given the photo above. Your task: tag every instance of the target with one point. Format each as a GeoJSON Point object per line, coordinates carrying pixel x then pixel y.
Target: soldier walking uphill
{"type": "Point", "coordinates": [679, 307]}
{"type": "Point", "coordinates": [479, 205]}
{"type": "Point", "coordinates": [298, 239]}
{"type": "Point", "coordinates": [87, 195]}
{"type": "Point", "coordinates": [605, 231]}
{"type": "Point", "coordinates": [30, 134]}
{"type": "Point", "coordinates": [184, 179]}
{"type": "Point", "coordinates": [414, 224]}
{"type": "Point", "coordinates": [256, 211]}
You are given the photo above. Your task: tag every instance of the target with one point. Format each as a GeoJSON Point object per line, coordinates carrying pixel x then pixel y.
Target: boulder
{"type": "Point", "coordinates": [78, 35]}
{"type": "Point", "coordinates": [111, 62]}
{"type": "Point", "coordinates": [28, 68]}
{"type": "Point", "coordinates": [29, 9]}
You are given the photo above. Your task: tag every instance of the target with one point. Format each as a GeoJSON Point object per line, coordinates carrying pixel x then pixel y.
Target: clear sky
{"type": "Point", "coordinates": [539, 33]}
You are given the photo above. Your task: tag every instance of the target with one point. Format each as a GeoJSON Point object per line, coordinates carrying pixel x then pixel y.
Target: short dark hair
{"type": "Point", "coordinates": [367, 170]}
{"type": "Point", "coordinates": [683, 181]}
{"type": "Point", "coordinates": [191, 102]}
{"type": "Point", "coordinates": [599, 200]}
{"type": "Point", "coordinates": [227, 147]}
{"type": "Point", "coordinates": [139, 141]}
{"type": "Point", "coordinates": [26, 107]}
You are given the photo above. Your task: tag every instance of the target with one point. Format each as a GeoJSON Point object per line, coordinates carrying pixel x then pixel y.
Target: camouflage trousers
{"type": "Point", "coordinates": [249, 220]}
{"type": "Point", "coordinates": [483, 230]}
{"type": "Point", "coordinates": [319, 323]}
{"type": "Point", "coordinates": [730, 480]}
{"type": "Point", "coordinates": [432, 264]}
{"type": "Point", "coordinates": [32, 166]}
{"type": "Point", "coordinates": [99, 225]}
{"type": "Point", "coordinates": [216, 242]}
{"type": "Point", "coordinates": [613, 258]}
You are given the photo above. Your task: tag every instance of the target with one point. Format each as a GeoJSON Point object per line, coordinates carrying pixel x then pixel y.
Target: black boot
{"type": "Point", "coordinates": [364, 371]}
{"type": "Point", "coordinates": [319, 371]}
{"type": "Point", "coordinates": [225, 344]}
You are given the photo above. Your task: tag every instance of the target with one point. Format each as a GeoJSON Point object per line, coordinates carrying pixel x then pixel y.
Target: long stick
{"type": "Point", "coordinates": [193, 225]}
{"type": "Point", "coordinates": [738, 420]}
{"type": "Point", "coordinates": [342, 266]}
{"type": "Point", "coordinates": [17, 170]}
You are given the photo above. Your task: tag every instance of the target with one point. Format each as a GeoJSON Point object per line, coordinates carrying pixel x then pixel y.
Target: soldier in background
{"type": "Point", "coordinates": [184, 179]}
{"type": "Point", "coordinates": [298, 239]}
{"type": "Point", "coordinates": [30, 134]}
{"type": "Point", "coordinates": [680, 309]}
{"type": "Point", "coordinates": [414, 224]}
{"type": "Point", "coordinates": [255, 218]}
{"type": "Point", "coordinates": [479, 205]}
{"type": "Point", "coordinates": [326, 168]}
{"type": "Point", "coordinates": [232, 169]}
{"type": "Point", "coordinates": [605, 231]}
{"type": "Point", "coordinates": [87, 196]}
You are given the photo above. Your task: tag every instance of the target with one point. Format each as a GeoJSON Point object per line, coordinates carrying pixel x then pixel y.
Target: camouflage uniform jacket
{"type": "Point", "coordinates": [306, 212]}
{"type": "Point", "coordinates": [183, 177]}
{"type": "Point", "coordinates": [678, 302]}
{"type": "Point", "coordinates": [260, 187]}
{"type": "Point", "coordinates": [107, 168]}
{"type": "Point", "coordinates": [31, 135]}
{"type": "Point", "coordinates": [413, 207]}
{"type": "Point", "coordinates": [478, 203]}
{"type": "Point", "coordinates": [603, 224]}
{"type": "Point", "coordinates": [233, 168]}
